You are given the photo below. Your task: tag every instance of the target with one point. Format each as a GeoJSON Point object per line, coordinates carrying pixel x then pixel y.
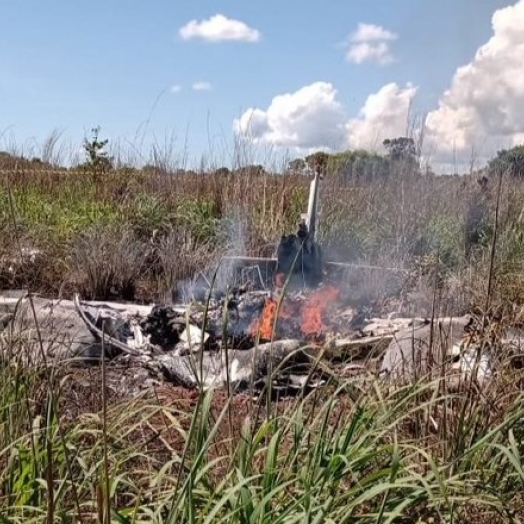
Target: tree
{"type": "Point", "coordinates": [318, 161]}
{"type": "Point", "coordinates": [401, 148]}
{"type": "Point", "coordinates": [510, 161]}
{"type": "Point", "coordinates": [251, 169]}
{"type": "Point", "coordinates": [98, 159]}
{"type": "Point", "coordinates": [222, 171]}
{"type": "Point", "coordinates": [344, 165]}
{"type": "Point", "coordinates": [297, 166]}
{"type": "Point", "coordinates": [341, 164]}
{"type": "Point", "coordinates": [358, 164]}
{"type": "Point", "coordinates": [403, 155]}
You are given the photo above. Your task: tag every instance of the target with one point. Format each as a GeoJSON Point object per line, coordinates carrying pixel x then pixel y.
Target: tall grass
{"type": "Point", "coordinates": [389, 221]}
{"type": "Point", "coordinates": [408, 455]}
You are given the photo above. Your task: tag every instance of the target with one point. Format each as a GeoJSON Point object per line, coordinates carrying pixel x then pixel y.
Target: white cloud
{"type": "Point", "coordinates": [201, 86]}
{"type": "Point", "coordinates": [484, 107]}
{"type": "Point", "coordinates": [176, 89]}
{"type": "Point", "coordinates": [219, 28]}
{"type": "Point", "coordinates": [482, 111]}
{"type": "Point", "coordinates": [370, 43]}
{"type": "Point", "coordinates": [366, 52]}
{"type": "Point", "coordinates": [385, 114]}
{"type": "Point", "coordinates": [313, 118]}
{"type": "Point", "coordinates": [371, 32]}
{"type": "Point", "coordinates": [308, 118]}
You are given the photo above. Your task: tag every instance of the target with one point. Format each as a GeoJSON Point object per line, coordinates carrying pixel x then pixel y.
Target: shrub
{"type": "Point", "coordinates": [107, 261]}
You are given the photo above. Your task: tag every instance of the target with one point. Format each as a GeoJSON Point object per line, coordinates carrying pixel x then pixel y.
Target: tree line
{"type": "Point", "coordinates": [402, 156]}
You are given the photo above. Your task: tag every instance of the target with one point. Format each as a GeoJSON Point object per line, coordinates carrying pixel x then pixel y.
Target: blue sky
{"type": "Point", "coordinates": [130, 67]}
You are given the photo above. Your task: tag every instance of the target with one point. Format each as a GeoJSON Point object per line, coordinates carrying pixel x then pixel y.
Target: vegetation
{"type": "Point", "coordinates": [75, 448]}
{"type": "Point", "coordinates": [510, 161]}
{"type": "Point", "coordinates": [415, 455]}
{"type": "Point", "coordinates": [402, 157]}
{"type": "Point", "coordinates": [98, 160]}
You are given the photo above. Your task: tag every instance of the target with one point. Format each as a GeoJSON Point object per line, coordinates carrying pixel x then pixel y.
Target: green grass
{"type": "Point", "coordinates": [62, 217]}
{"type": "Point", "coordinates": [321, 458]}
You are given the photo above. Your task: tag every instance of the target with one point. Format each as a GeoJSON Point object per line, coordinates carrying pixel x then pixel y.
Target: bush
{"type": "Point", "coordinates": [108, 261]}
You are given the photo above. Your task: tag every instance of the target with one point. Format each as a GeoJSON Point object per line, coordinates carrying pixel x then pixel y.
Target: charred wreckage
{"type": "Point", "coordinates": [292, 326]}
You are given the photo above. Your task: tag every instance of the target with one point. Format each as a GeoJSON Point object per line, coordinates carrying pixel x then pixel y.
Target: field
{"type": "Point", "coordinates": [75, 449]}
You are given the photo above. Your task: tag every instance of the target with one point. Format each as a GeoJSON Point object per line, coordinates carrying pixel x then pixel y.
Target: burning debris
{"type": "Point", "coordinates": [250, 338]}
{"type": "Point", "coordinates": [272, 328]}
{"type": "Point", "coordinates": [299, 259]}
{"type": "Point", "coordinates": [301, 314]}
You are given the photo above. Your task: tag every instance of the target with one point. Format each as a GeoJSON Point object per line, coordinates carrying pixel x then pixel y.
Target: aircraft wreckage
{"type": "Point", "coordinates": [293, 326]}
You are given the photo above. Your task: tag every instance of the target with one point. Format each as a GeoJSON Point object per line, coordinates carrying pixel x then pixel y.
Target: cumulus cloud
{"type": "Point", "coordinates": [311, 117]}
{"type": "Point", "coordinates": [370, 43]}
{"type": "Point", "coordinates": [385, 114]}
{"type": "Point", "coordinates": [484, 106]}
{"type": "Point", "coordinates": [481, 111]}
{"type": "Point", "coordinates": [367, 52]}
{"type": "Point", "coordinates": [219, 28]}
{"type": "Point", "coordinates": [371, 32]}
{"type": "Point", "coordinates": [201, 86]}
{"type": "Point", "coordinates": [176, 89]}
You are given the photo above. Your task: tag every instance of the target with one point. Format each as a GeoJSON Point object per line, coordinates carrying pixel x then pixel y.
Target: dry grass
{"type": "Point", "coordinates": [178, 221]}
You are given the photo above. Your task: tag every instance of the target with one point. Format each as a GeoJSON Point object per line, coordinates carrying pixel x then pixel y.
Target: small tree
{"type": "Point", "coordinates": [358, 164]}
{"type": "Point", "coordinates": [318, 161]}
{"type": "Point", "coordinates": [509, 160]}
{"type": "Point", "coordinates": [401, 148]}
{"type": "Point", "coordinates": [98, 159]}
{"type": "Point", "coordinates": [222, 171]}
{"type": "Point", "coordinates": [297, 166]}
{"type": "Point", "coordinates": [403, 155]}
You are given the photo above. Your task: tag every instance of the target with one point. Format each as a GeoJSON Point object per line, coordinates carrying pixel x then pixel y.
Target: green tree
{"type": "Point", "coordinates": [251, 169]}
{"type": "Point", "coordinates": [401, 149]}
{"type": "Point", "coordinates": [510, 161]}
{"type": "Point", "coordinates": [297, 166]}
{"type": "Point", "coordinates": [98, 160]}
{"type": "Point", "coordinates": [318, 161]}
{"type": "Point", "coordinates": [222, 171]}
{"type": "Point", "coordinates": [403, 155]}
{"type": "Point", "coordinates": [340, 164]}
{"type": "Point", "coordinates": [358, 164]}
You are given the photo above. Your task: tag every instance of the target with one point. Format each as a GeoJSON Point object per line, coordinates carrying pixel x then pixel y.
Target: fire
{"type": "Point", "coordinates": [310, 313]}
{"type": "Point", "coordinates": [264, 324]}
{"type": "Point", "coordinates": [314, 308]}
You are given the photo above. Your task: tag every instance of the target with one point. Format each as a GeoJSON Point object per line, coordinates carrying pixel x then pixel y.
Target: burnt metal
{"type": "Point", "coordinates": [164, 326]}
{"type": "Point", "coordinates": [300, 257]}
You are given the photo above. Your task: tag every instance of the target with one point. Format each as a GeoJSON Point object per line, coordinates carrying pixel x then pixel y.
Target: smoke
{"type": "Point", "coordinates": [230, 241]}
{"type": "Point", "coordinates": [232, 235]}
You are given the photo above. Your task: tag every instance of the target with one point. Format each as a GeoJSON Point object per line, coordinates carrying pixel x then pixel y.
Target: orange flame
{"type": "Point", "coordinates": [311, 313]}
{"type": "Point", "coordinates": [263, 326]}
{"type": "Point", "coordinates": [314, 308]}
